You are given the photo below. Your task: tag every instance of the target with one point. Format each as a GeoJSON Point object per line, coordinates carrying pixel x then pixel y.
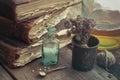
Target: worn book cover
{"type": "Point", "coordinates": [30, 31]}
{"type": "Point", "coordinates": [22, 10]}
{"type": "Point", "coordinates": [16, 53]}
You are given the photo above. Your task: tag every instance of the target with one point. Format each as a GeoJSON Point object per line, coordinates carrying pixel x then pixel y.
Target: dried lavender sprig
{"type": "Point", "coordinates": [82, 28]}
{"type": "Point", "coordinates": [88, 25]}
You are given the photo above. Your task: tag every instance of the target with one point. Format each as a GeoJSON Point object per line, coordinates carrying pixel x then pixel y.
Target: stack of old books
{"type": "Point", "coordinates": [23, 27]}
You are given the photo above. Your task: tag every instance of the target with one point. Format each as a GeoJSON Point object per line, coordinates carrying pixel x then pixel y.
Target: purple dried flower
{"type": "Point", "coordinates": [82, 28]}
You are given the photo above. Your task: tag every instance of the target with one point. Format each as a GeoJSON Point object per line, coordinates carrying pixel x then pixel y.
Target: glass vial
{"type": "Point", "coordinates": [50, 48]}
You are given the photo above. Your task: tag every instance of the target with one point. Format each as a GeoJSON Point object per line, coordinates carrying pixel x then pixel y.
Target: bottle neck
{"type": "Point", "coordinates": [51, 35]}
{"type": "Point", "coordinates": [51, 32]}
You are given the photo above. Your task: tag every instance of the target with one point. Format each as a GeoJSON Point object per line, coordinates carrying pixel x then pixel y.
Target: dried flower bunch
{"type": "Point", "coordinates": [81, 27]}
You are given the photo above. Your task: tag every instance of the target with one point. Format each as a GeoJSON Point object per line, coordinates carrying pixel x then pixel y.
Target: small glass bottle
{"type": "Point", "coordinates": [50, 48]}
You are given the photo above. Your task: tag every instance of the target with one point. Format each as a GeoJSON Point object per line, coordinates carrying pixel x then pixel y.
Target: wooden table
{"type": "Point", "coordinates": [30, 71]}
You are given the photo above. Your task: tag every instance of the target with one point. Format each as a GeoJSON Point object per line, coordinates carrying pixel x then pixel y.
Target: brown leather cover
{"type": "Point", "coordinates": [8, 50]}
{"type": "Point", "coordinates": [7, 27]}
{"type": "Point", "coordinates": [7, 53]}
{"type": "Point", "coordinates": [7, 9]}
{"type": "Point", "coordinates": [11, 29]}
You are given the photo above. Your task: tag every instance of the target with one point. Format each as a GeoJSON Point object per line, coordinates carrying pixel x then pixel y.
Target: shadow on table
{"type": "Point", "coordinates": [115, 70]}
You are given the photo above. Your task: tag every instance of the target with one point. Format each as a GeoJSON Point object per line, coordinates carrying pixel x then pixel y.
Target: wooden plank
{"type": "Point", "coordinates": [4, 75]}
{"type": "Point", "coordinates": [26, 72]}
{"type": "Point", "coordinates": [115, 69]}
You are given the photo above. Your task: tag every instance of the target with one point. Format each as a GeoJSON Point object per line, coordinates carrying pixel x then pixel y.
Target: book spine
{"type": "Point", "coordinates": [22, 32]}
{"type": "Point", "coordinates": [7, 9]}
{"type": "Point", "coordinates": [8, 54]}
{"type": "Point", "coordinates": [18, 30]}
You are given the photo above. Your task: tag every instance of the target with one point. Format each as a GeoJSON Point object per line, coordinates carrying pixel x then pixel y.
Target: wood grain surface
{"type": "Point", "coordinates": [30, 71]}
{"type": "Point", "coordinates": [115, 69]}
{"type": "Point", "coordinates": [4, 75]}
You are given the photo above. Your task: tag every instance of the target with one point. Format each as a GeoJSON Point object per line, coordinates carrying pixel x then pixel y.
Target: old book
{"type": "Point", "coordinates": [28, 31]}
{"type": "Point", "coordinates": [32, 30]}
{"type": "Point", "coordinates": [15, 53]}
{"type": "Point", "coordinates": [21, 10]}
